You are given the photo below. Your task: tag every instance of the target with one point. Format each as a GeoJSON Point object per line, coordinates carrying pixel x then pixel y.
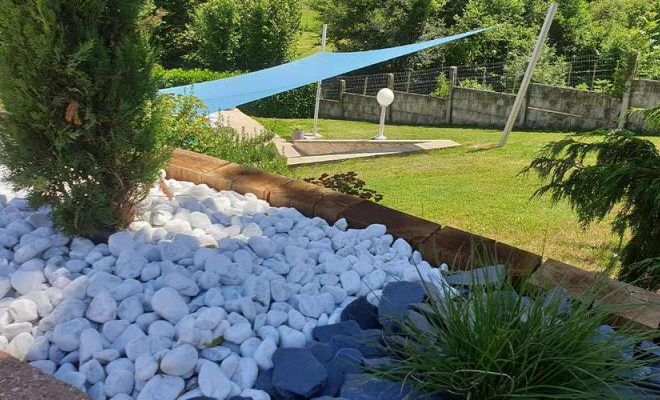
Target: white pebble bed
{"type": "Point", "coordinates": [137, 317]}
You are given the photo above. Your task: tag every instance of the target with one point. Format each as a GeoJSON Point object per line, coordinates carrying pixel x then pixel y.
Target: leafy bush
{"type": "Point", "coordinates": [168, 78]}
{"type": "Point", "coordinates": [246, 34]}
{"type": "Point", "coordinates": [491, 343]}
{"type": "Point", "coordinates": [175, 40]}
{"type": "Point", "coordinates": [190, 128]}
{"type": "Point", "coordinates": [296, 103]}
{"type": "Point", "coordinates": [551, 69]}
{"type": "Point", "coordinates": [442, 88]}
{"type": "Point", "coordinates": [347, 183]}
{"type": "Point", "coordinates": [474, 84]}
{"type": "Point", "coordinates": [619, 174]}
{"type": "Point", "coordinates": [84, 123]}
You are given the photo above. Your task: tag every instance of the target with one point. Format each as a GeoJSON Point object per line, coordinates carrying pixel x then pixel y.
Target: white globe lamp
{"type": "Point", "coordinates": [385, 98]}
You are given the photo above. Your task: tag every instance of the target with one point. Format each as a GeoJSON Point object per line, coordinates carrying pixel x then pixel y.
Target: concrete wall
{"type": "Point", "coordinates": [546, 108]}
{"type": "Point", "coordinates": [645, 94]}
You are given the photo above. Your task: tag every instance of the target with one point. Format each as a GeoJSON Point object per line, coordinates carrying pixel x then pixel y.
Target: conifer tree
{"type": "Point", "coordinates": [84, 124]}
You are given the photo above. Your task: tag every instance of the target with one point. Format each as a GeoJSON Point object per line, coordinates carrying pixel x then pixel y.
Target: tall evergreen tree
{"type": "Point", "coordinates": [84, 122]}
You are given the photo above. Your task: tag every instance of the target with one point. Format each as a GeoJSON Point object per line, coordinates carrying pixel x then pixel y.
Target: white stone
{"type": "Point", "coordinates": [372, 231]}
{"type": "Point", "coordinates": [255, 394]}
{"type": "Point", "coordinates": [102, 308]}
{"type": "Point", "coordinates": [210, 318]}
{"type": "Point", "coordinates": [350, 281]}
{"type": "Point", "coordinates": [262, 246]}
{"type": "Point", "coordinates": [238, 333]}
{"type": "Point", "coordinates": [296, 320]}
{"type": "Point", "coordinates": [93, 371]}
{"type": "Point", "coordinates": [90, 343]}
{"type": "Point", "coordinates": [20, 345]}
{"type": "Point", "coordinates": [291, 337]}
{"type": "Point", "coordinates": [27, 281]}
{"type": "Point", "coordinates": [169, 304]}
{"type": "Point", "coordinates": [130, 309]}
{"type": "Point", "coordinates": [162, 328]}
{"type": "Point", "coordinates": [145, 367]}
{"type": "Point", "coordinates": [295, 255]}
{"type": "Point", "coordinates": [38, 350]}
{"type": "Point", "coordinates": [276, 318]}
{"type": "Point", "coordinates": [162, 387]}
{"type": "Point", "coordinates": [67, 335]}
{"type": "Point", "coordinates": [213, 382]}
{"type": "Point", "coordinates": [23, 310]}
{"type": "Point", "coordinates": [263, 356]}
{"type": "Point", "coordinates": [179, 361]}
{"type": "Point", "coordinates": [119, 381]}
{"type": "Point", "coordinates": [120, 242]}
{"type": "Point", "coordinates": [129, 264]}
{"type": "Point", "coordinates": [32, 250]}
{"type": "Point", "coordinates": [246, 373]}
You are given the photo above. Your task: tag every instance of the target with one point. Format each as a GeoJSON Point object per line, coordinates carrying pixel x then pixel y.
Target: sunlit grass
{"type": "Point", "coordinates": [471, 188]}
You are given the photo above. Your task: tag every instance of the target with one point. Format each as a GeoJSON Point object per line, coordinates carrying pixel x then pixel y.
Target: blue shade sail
{"type": "Point", "coordinates": [224, 94]}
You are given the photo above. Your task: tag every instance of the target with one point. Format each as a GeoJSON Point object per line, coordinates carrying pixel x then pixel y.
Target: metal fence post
{"type": "Point", "coordinates": [366, 84]}
{"type": "Point", "coordinates": [390, 81]}
{"type": "Point", "coordinates": [408, 83]}
{"type": "Point", "coordinates": [453, 73]}
{"type": "Point", "coordinates": [342, 89]}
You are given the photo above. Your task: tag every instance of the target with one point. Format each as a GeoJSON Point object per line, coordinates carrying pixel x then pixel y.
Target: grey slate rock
{"type": "Point", "coordinates": [397, 297]}
{"type": "Point", "coordinates": [322, 351]}
{"type": "Point", "coordinates": [362, 312]}
{"type": "Point", "coordinates": [265, 382]}
{"type": "Point", "coordinates": [558, 297]}
{"type": "Point", "coordinates": [297, 373]}
{"type": "Point", "coordinates": [327, 332]}
{"type": "Point", "coordinates": [493, 275]}
{"type": "Point", "coordinates": [365, 387]}
{"type": "Point", "coordinates": [366, 345]}
{"type": "Point", "coordinates": [351, 360]}
{"type": "Point", "coordinates": [335, 378]}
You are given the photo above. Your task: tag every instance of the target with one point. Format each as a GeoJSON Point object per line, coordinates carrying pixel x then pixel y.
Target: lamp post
{"type": "Point", "coordinates": [385, 97]}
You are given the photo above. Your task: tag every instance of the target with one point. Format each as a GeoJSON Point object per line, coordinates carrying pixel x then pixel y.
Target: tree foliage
{"type": "Point", "coordinates": [618, 175]}
{"type": "Point", "coordinates": [173, 36]}
{"type": "Point", "coordinates": [84, 123]}
{"type": "Point", "coordinates": [246, 34]}
{"type": "Point", "coordinates": [580, 28]}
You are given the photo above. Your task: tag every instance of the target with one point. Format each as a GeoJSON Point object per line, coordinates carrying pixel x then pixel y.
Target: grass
{"type": "Point", "coordinates": [472, 187]}
{"type": "Point", "coordinates": [309, 41]}
{"type": "Point", "coordinates": [491, 344]}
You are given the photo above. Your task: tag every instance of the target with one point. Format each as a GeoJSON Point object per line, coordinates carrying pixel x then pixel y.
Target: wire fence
{"type": "Point", "coordinates": [587, 73]}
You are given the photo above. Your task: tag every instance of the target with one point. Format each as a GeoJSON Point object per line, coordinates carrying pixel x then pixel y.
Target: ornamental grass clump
{"type": "Point", "coordinates": [492, 343]}
{"type": "Point", "coordinates": [84, 124]}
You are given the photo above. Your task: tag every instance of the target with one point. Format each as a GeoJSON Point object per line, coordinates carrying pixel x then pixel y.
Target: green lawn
{"type": "Point", "coordinates": [309, 41]}
{"type": "Point", "coordinates": [471, 187]}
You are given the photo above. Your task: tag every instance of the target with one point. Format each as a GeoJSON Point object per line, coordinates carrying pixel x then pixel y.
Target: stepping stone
{"type": "Point", "coordinates": [493, 275]}
{"type": "Point", "coordinates": [297, 373]}
{"type": "Point", "coordinates": [362, 312]}
{"type": "Point", "coordinates": [265, 382]}
{"type": "Point", "coordinates": [327, 332]}
{"type": "Point", "coordinates": [322, 351]}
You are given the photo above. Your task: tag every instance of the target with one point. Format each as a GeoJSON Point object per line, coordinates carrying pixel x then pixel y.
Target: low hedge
{"type": "Point", "coordinates": [296, 103]}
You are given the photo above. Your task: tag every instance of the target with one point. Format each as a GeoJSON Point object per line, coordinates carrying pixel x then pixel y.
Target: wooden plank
{"type": "Point", "coordinates": [635, 306]}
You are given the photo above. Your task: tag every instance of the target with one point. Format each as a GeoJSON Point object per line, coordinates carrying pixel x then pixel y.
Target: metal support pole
{"type": "Point", "coordinates": [383, 113]}
{"type": "Point", "coordinates": [528, 74]}
{"type": "Point", "coordinates": [318, 87]}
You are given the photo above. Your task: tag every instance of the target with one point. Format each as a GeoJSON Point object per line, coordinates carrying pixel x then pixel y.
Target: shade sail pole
{"type": "Point", "coordinates": [528, 74]}
{"type": "Point", "coordinates": [318, 87]}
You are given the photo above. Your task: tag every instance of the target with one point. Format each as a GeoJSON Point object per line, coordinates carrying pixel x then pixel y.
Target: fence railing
{"type": "Point", "coordinates": [589, 73]}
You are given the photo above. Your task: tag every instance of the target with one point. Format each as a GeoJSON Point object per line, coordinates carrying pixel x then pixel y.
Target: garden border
{"type": "Point", "coordinates": [436, 243]}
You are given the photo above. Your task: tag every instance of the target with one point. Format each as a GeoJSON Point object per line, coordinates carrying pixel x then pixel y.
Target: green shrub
{"type": "Point", "coordinates": [84, 123]}
{"type": "Point", "coordinates": [442, 87]}
{"type": "Point", "coordinates": [246, 34]}
{"type": "Point", "coordinates": [491, 343]}
{"type": "Point", "coordinates": [474, 84]}
{"type": "Point", "coordinates": [189, 128]}
{"type": "Point", "coordinates": [619, 174]}
{"type": "Point", "coordinates": [173, 36]}
{"type": "Point", "coordinates": [168, 78]}
{"type": "Point", "coordinates": [347, 183]}
{"type": "Point", "coordinates": [296, 103]}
